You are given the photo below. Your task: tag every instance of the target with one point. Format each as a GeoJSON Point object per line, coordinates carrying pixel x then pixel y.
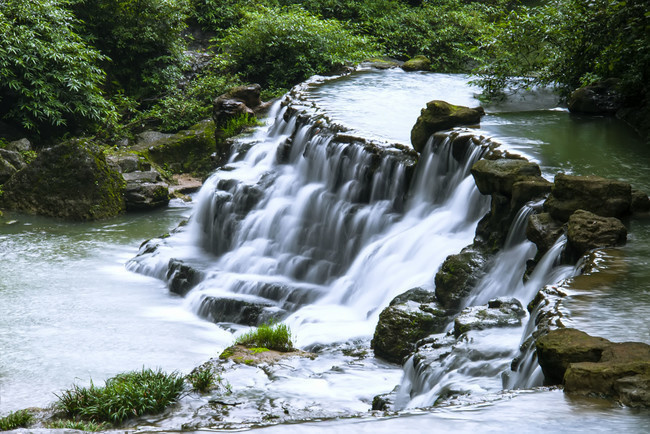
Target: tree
{"type": "Point", "coordinates": [49, 77]}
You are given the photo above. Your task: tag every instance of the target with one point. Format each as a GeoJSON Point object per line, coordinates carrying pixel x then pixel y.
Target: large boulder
{"type": "Point", "coordinates": [587, 231]}
{"type": "Point", "coordinates": [543, 230]}
{"type": "Point", "coordinates": [440, 115]}
{"type": "Point", "coordinates": [189, 151]}
{"type": "Point", "coordinates": [600, 98]}
{"type": "Point", "coordinates": [409, 318]}
{"type": "Point", "coordinates": [240, 100]}
{"type": "Point", "coordinates": [602, 196]}
{"type": "Point", "coordinates": [594, 366]}
{"type": "Point", "coordinates": [417, 63]}
{"type": "Point", "coordinates": [71, 180]}
{"type": "Point", "coordinates": [499, 312]}
{"type": "Point", "coordinates": [457, 275]}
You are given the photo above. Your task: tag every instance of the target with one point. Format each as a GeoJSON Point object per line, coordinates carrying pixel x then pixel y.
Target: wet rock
{"type": "Point", "coordinates": [71, 180]}
{"type": "Point", "coordinates": [128, 162]}
{"type": "Point", "coordinates": [418, 63]}
{"type": "Point", "coordinates": [181, 278]}
{"type": "Point", "coordinates": [640, 202]}
{"type": "Point", "coordinates": [383, 402]}
{"type": "Point", "coordinates": [602, 196]}
{"type": "Point", "coordinates": [409, 317]}
{"type": "Point", "coordinates": [559, 348]}
{"type": "Point", "coordinates": [499, 312]}
{"type": "Point", "coordinates": [380, 63]}
{"type": "Point", "coordinates": [528, 190]}
{"type": "Point", "coordinates": [458, 275]}
{"type": "Point", "coordinates": [260, 356]}
{"type": "Point", "coordinates": [594, 366]}
{"type": "Point", "coordinates": [543, 230]}
{"type": "Point", "coordinates": [498, 177]}
{"type": "Point", "coordinates": [10, 163]}
{"type": "Point", "coordinates": [600, 98]}
{"type": "Point", "coordinates": [145, 190]}
{"type": "Point", "coordinates": [189, 151]}
{"type": "Point", "coordinates": [440, 115]}
{"type": "Point", "coordinates": [251, 311]}
{"type": "Point", "coordinates": [588, 231]}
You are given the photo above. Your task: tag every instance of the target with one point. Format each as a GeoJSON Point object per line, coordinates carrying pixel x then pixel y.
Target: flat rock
{"type": "Point", "coordinates": [587, 231]}
{"type": "Point", "coordinates": [499, 312]}
{"type": "Point", "coordinates": [499, 176]}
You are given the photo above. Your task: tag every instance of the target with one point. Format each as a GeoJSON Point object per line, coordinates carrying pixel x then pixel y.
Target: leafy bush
{"type": "Point", "coordinates": [272, 336]}
{"type": "Point", "coordinates": [125, 395]}
{"type": "Point", "coordinates": [282, 47]}
{"type": "Point", "coordinates": [49, 77]}
{"type": "Point", "coordinates": [16, 419]}
{"type": "Point", "coordinates": [237, 124]}
{"type": "Point", "coordinates": [570, 43]}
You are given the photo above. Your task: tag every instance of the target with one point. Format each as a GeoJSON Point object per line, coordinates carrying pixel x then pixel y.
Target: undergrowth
{"type": "Point", "coordinates": [204, 379]}
{"type": "Point", "coordinates": [16, 419]}
{"type": "Point", "coordinates": [272, 336]}
{"type": "Point", "coordinates": [125, 395]}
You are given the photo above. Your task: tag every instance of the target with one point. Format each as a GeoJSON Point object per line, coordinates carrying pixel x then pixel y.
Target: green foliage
{"type": "Point", "coordinates": [142, 38]}
{"type": "Point", "coordinates": [273, 336]}
{"type": "Point", "coordinates": [16, 419]}
{"type": "Point", "coordinates": [570, 43]}
{"type": "Point", "coordinates": [445, 32]}
{"type": "Point", "coordinates": [282, 47]}
{"type": "Point", "coordinates": [237, 124]}
{"type": "Point", "coordinates": [125, 395]}
{"type": "Point", "coordinates": [204, 379]}
{"type": "Point", "coordinates": [77, 425]}
{"type": "Point", "coordinates": [49, 76]}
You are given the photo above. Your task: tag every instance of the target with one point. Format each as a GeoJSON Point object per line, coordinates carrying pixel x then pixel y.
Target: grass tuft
{"type": "Point", "coordinates": [125, 395]}
{"type": "Point", "coordinates": [77, 425]}
{"type": "Point", "coordinates": [272, 336]}
{"type": "Point", "coordinates": [16, 419]}
{"type": "Point", "coordinates": [236, 125]}
{"type": "Point", "coordinates": [204, 379]}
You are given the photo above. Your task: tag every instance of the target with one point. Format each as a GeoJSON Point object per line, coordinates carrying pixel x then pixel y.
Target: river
{"type": "Point", "coordinates": [71, 312]}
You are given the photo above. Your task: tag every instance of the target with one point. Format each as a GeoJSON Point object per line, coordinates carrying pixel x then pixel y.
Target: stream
{"type": "Point", "coordinates": [323, 233]}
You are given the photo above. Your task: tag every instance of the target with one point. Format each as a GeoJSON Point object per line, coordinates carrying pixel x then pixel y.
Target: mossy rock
{"type": "Point", "coordinates": [409, 317]}
{"type": "Point", "coordinates": [587, 231]}
{"type": "Point", "coordinates": [418, 63]}
{"type": "Point", "coordinates": [440, 115]}
{"type": "Point", "coordinates": [71, 180]}
{"type": "Point", "coordinates": [458, 275]}
{"type": "Point", "coordinates": [500, 175]}
{"type": "Point", "coordinates": [543, 230]}
{"type": "Point", "coordinates": [189, 151]}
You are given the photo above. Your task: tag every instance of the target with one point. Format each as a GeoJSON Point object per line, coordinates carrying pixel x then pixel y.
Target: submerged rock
{"type": "Point", "coordinates": [409, 317]}
{"type": "Point", "coordinates": [602, 196]}
{"type": "Point", "coordinates": [417, 63]}
{"type": "Point", "coordinates": [499, 312]}
{"type": "Point", "coordinates": [588, 231]}
{"type": "Point", "coordinates": [440, 115]}
{"type": "Point", "coordinates": [594, 366]}
{"type": "Point", "coordinates": [71, 180]}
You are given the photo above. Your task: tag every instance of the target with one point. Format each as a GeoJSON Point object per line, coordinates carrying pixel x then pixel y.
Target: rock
{"type": "Point", "coordinates": [145, 190]}
{"type": "Point", "coordinates": [188, 151]}
{"type": "Point", "coordinates": [246, 310]}
{"type": "Point", "coordinates": [458, 275]}
{"type": "Point", "coordinates": [588, 365]}
{"type": "Point", "coordinates": [588, 231]}
{"type": "Point", "coordinates": [499, 176]}
{"type": "Point", "coordinates": [600, 98]}
{"type": "Point", "coordinates": [10, 163]}
{"type": "Point", "coordinates": [22, 145]}
{"type": "Point", "coordinates": [148, 138]}
{"type": "Point", "coordinates": [236, 102]}
{"type": "Point", "coordinates": [640, 202]}
{"type": "Point", "coordinates": [383, 402]}
{"type": "Point", "coordinates": [440, 115]}
{"type": "Point", "coordinates": [418, 63]}
{"type": "Point", "coordinates": [559, 348]}
{"type": "Point", "coordinates": [499, 312]}
{"type": "Point", "coordinates": [181, 278]}
{"type": "Point", "coordinates": [129, 162]}
{"type": "Point", "coordinates": [380, 63]}
{"type": "Point", "coordinates": [257, 356]}
{"type": "Point", "coordinates": [543, 230]}
{"type": "Point", "coordinates": [528, 190]}
{"type": "Point", "coordinates": [409, 318]}
{"type": "Point", "coordinates": [602, 196]}
{"type": "Point", "coordinates": [71, 180]}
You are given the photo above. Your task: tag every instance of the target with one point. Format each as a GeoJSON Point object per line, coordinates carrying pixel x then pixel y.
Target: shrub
{"type": "Point", "coordinates": [16, 419]}
{"type": "Point", "coordinates": [237, 124]}
{"type": "Point", "coordinates": [49, 77]}
{"type": "Point", "coordinates": [125, 395]}
{"type": "Point", "coordinates": [204, 379]}
{"type": "Point", "coordinates": [273, 336]}
{"type": "Point", "coordinates": [282, 47]}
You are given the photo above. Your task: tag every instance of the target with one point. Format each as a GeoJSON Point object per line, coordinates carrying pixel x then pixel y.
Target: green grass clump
{"type": "Point", "coordinates": [237, 124]}
{"type": "Point", "coordinates": [202, 380]}
{"type": "Point", "coordinates": [125, 395]}
{"type": "Point", "coordinates": [77, 425]}
{"type": "Point", "coordinates": [20, 418]}
{"type": "Point", "coordinates": [273, 336]}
